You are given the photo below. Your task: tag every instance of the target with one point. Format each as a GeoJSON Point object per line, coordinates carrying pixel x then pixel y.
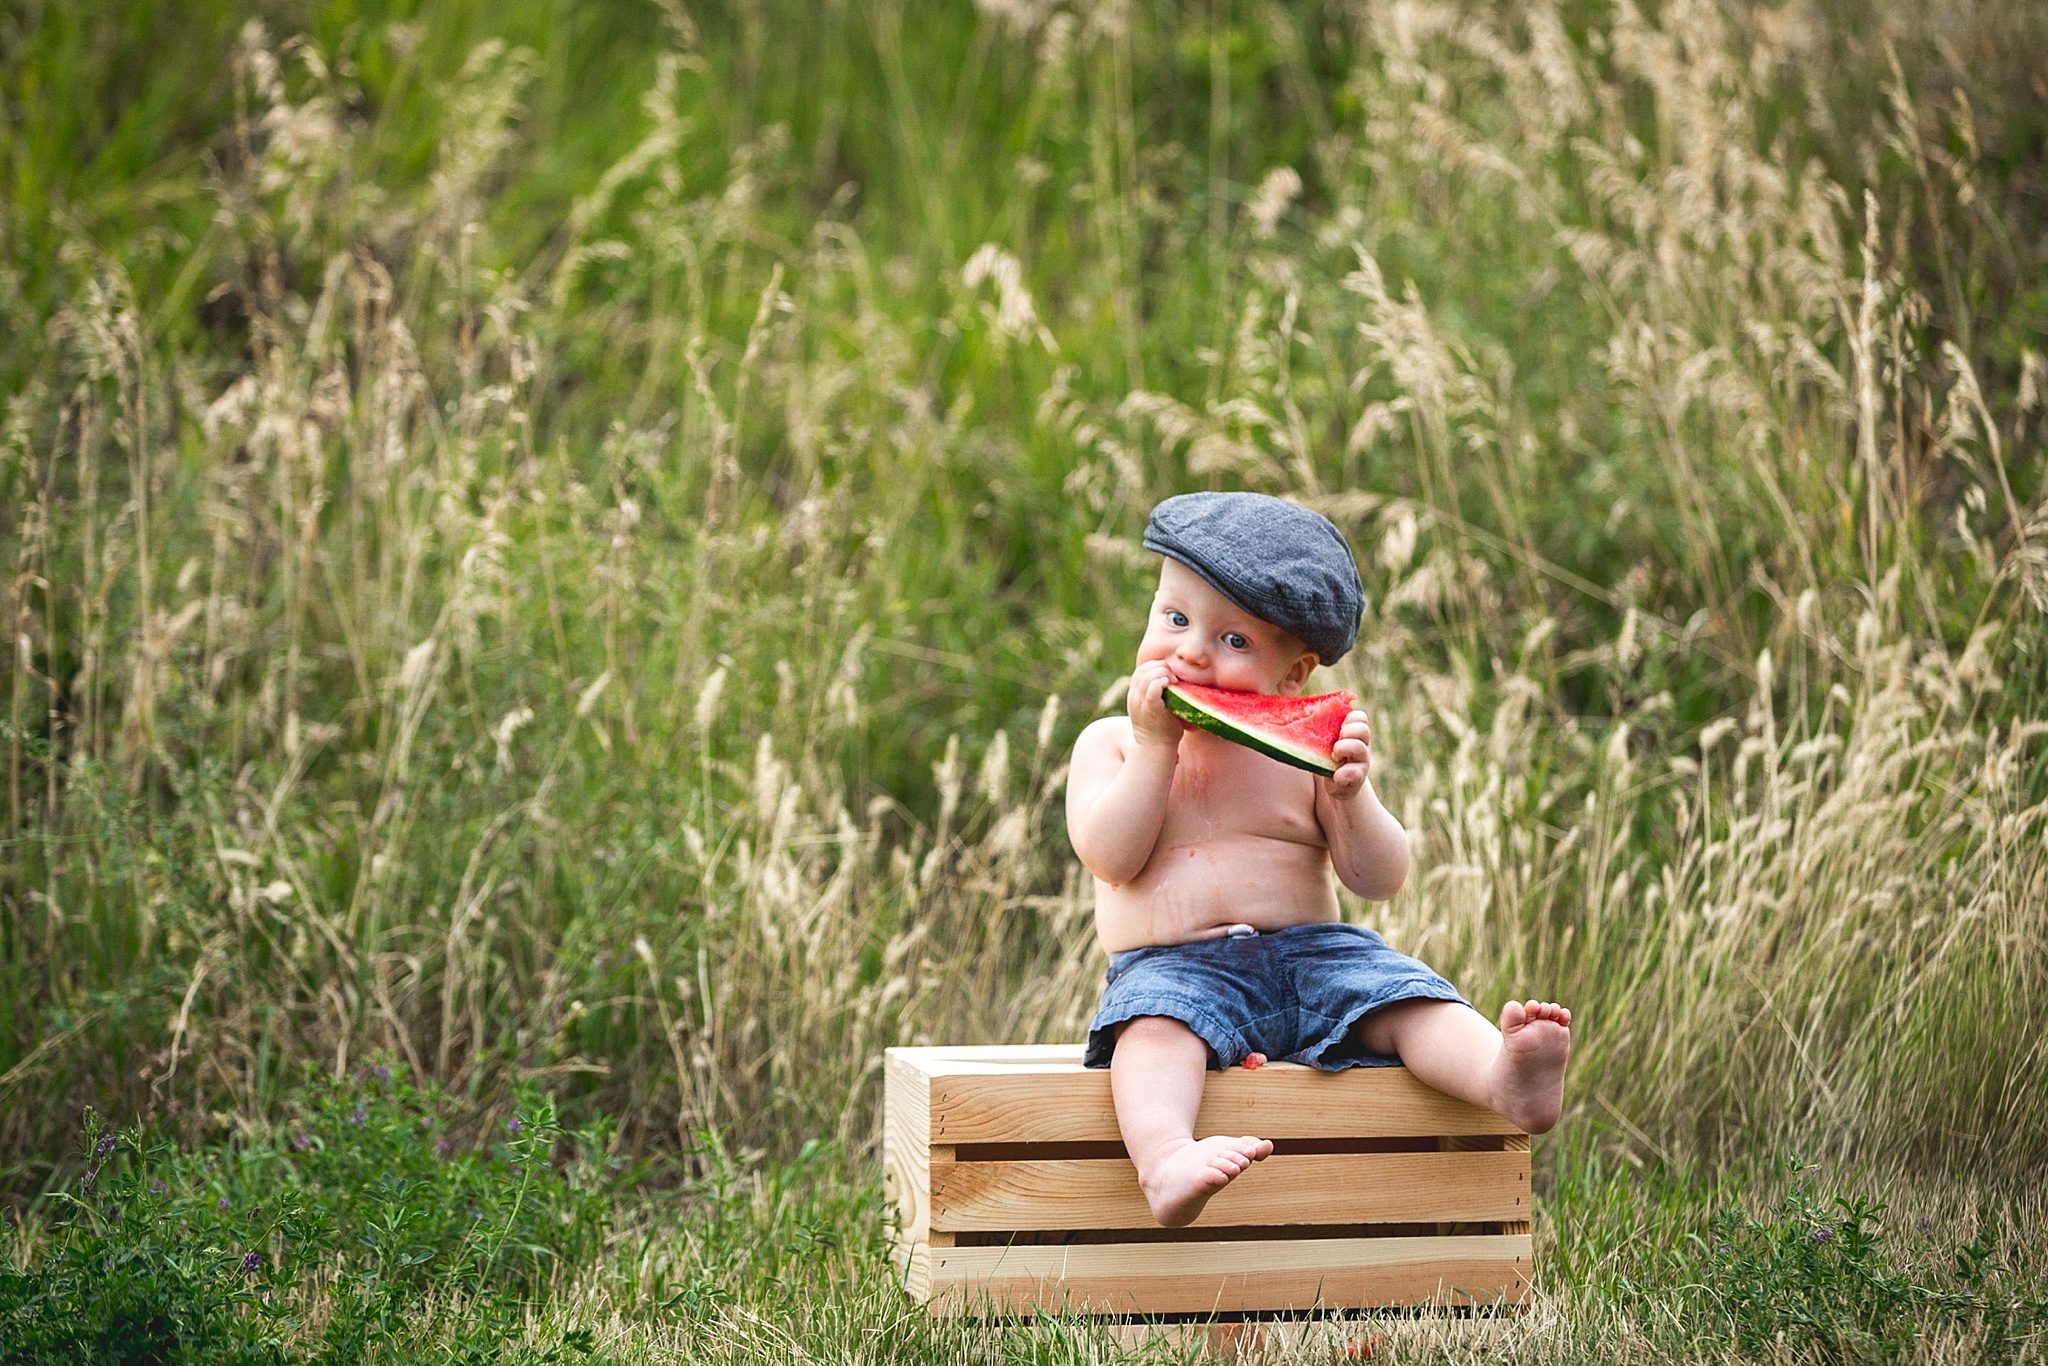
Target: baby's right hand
{"type": "Point", "coordinates": [1151, 722]}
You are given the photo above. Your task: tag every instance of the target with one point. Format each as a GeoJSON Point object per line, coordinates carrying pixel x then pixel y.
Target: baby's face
{"type": "Point", "coordinates": [1206, 638]}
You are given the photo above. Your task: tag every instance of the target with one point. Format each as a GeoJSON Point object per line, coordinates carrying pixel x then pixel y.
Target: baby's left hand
{"type": "Point", "coordinates": [1353, 753]}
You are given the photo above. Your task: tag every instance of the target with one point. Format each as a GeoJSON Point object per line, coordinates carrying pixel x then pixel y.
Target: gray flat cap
{"type": "Point", "coordinates": [1276, 559]}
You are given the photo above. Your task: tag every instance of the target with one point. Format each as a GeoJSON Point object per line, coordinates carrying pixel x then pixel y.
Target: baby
{"type": "Point", "coordinates": [1212, 867]}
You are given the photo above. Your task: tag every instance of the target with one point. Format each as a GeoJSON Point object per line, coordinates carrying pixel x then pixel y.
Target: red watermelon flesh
{"type": "Point", "coordinates": [1301, 731]}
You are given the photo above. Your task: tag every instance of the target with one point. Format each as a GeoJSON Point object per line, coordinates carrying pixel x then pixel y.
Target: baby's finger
{"type": "Point", "coordinates": [1350, 750]}
{"type": "Point", "coordinates": [1144, 695]}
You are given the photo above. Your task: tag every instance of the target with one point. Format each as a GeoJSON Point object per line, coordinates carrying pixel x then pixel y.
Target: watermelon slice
{"type": "Point", "coordinates": [1301, 731]}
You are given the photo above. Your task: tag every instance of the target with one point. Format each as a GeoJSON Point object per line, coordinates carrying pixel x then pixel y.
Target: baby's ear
{"type": "Point", "coordinates": [1296, 677]}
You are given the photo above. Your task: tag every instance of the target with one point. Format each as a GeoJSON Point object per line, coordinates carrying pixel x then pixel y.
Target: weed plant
{"type": "Point", "coordinates": [361, 1228]}
{"type": "Point", "coordinates": [565, 546]}
{"type": "Point", "coordinates": [1800, 1266]}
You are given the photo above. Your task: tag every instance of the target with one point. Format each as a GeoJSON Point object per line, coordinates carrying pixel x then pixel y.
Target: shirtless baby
{"type": "Point", "coordinates": [1212, 865]}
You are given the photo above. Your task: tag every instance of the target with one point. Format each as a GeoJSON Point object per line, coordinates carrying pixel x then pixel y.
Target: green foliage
{"type": "Point", "coordinates": [1820, 1276]}
{"type": "Point", "coordinates": [1825, 1272]}
{"type": "Point", "coordinates": [358, 1231]}
{"type": "Point", "coordinates": [361, 1229]}
{"type": "Point", "coordinates": [133, 1276]}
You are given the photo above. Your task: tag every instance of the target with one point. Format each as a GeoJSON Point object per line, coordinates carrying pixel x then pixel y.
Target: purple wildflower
{"type": "Point", "coordinates": [302, 1142]}
{"type": "Point", "coordinates": [221, 1204]}
{"type": "Point", "coordinates": [358, 1115]}
{"type": "Point", "coordinates": [157, 1187]}
{"type": "Point", "coordinates": [1925, 1225]}
{"type": "Point", "coordinates": [252, 1261]}
{"type": "Point", "coordinates": [513, 1124]}
{"type": "Point", "coordinates": [444, 1147]}
{"type": "Point", "coordinates": [1821, 1235]}
{"type": "Point", "coordinates": [86, 1180]}
{"type": "Point", "coordinates": [381, 1073]}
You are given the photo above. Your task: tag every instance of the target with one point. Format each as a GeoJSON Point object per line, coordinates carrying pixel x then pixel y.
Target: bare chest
{"type": "Point", "coordinates": [1223, 791]}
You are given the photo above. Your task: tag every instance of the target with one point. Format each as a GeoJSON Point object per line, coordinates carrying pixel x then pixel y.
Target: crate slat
{"type": "Point", "coordinates": [1000, 1103]}
{"type": "Point", "coordinates": [1229, 1278]}
{"type": "Point", "coordinates": [1338, 1188]}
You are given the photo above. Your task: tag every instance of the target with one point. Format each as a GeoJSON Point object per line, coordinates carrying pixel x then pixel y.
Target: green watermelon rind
{"type": "Point", "coordinates": [1192, 712]}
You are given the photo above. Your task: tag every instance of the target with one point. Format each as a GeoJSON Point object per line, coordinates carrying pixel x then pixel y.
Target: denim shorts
{"type": "Point", "coordinates": [1295, 995]}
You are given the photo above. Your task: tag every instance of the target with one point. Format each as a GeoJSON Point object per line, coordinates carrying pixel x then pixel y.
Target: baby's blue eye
{"type": "Point", "coordinates": [1236, 641]}
{"type": "Point", "coordinates": [1177, 618]}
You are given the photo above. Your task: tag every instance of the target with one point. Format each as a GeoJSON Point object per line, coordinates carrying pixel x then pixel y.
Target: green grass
{"type": "Point", "coordinates": [373, 1221]}
{"type": "Point", "coordinates": [563, 547]}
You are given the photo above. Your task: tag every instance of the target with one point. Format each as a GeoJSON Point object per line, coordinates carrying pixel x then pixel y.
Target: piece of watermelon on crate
{"type": "Point", "coordinates": [1299, 731]}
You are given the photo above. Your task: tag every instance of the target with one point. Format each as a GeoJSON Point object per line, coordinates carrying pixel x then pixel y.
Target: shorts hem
{"type": "Point", "coordinates": [1316, 1055]}
{"type": "Point", "coordinates": [1227, 1045]}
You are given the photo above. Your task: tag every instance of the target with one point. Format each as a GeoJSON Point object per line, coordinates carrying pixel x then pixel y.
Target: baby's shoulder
{"type": "Point", "coordinates": [1111, 735]}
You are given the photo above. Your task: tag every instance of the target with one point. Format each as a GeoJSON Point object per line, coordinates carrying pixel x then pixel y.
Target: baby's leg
{"type": "Point", "coordinates": [1156, 1077]}
{"type": "Point", "coordinates": [1516, 1070]}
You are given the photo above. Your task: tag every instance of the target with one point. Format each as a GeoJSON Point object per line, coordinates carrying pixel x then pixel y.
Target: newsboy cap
{"type": "Point", "coordinates": [1275, 559]}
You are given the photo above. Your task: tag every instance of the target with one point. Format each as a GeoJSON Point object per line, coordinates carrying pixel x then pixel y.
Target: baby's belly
{"type": "Point", "coordinates": [1197, 891]}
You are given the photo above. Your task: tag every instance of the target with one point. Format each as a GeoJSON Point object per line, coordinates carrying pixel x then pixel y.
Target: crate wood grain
{"type": "Point", "coordinates": [1013, 1194]}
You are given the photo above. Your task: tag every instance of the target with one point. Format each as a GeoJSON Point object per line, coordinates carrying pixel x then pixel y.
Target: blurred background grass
{"type": "Point", "coordinates": [566, 543]}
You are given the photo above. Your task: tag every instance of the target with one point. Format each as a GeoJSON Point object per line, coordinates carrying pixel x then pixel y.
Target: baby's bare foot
{"type": "Point", "coordinates": [1177, 1184]}
{"type": "Point", "coordinates": [1528, 1076]}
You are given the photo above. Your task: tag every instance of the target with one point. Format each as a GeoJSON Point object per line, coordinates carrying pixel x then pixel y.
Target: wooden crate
{"type": "Point", "coordinates": [1015, 1195]}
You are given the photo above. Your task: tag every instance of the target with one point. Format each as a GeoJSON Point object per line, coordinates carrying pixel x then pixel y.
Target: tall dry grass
{"type": "Point", "coordinates": [645, 662]}
{"type": "Point", "coordinates": [302, 792]}
{"type": "Point", "coordinates": [1820, 913]}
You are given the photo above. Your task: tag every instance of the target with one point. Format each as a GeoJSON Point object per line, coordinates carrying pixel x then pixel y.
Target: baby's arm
{"type": "Point", "coordinates": [1368, 847]}
{"type": "Point", "coordinates": [1117, 788]}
